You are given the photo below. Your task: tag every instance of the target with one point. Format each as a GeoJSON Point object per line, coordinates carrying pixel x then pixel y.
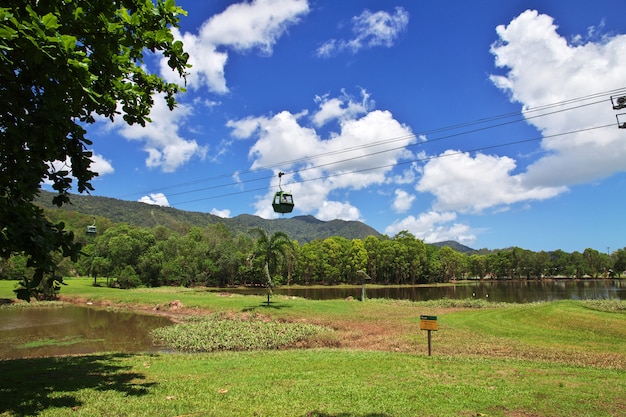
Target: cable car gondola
{"type": "Point", "coordinates": [283, 201]}
{"type": "Point", "coordinates": [92, 230]}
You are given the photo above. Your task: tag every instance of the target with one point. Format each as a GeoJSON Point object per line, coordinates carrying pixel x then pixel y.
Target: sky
{"type": "Point", "coordinates": [485, 122]}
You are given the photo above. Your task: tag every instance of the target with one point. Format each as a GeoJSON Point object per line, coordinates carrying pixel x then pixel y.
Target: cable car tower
{"type": "Point", "coordinates": [283, 201]}
{"type": "Point", "coordinates": [619, 102]}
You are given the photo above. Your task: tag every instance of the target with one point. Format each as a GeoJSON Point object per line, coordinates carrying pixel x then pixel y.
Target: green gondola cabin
{"type": "Point", "coordinates": [283, 202]}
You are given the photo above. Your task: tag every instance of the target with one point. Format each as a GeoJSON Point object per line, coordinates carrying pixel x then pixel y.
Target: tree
{"type": "Point", "coordinates": [415, 254]}
{"type": "Point", "coordinates": [450, 262]}
{"type": "Point", "coordinates": [62, 63]}
{"type": "Point", "coordinates": [271, 250]}
{"type": "Point", "coordinates": [478, 265]}
{"type": "Point", "coordinates": [619, 261]}
{"type": "Point", "coordinates": [358, 259]}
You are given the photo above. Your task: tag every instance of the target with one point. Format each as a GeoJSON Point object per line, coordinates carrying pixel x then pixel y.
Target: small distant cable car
{"type": "Point", "coordinates": [92, 230]}
{"type": "Point", "coordinates": [619, 102]}
{"type": "Point", "coordinates": [283, 201]}
{"type": "Point", "coordinates": [621, 120]}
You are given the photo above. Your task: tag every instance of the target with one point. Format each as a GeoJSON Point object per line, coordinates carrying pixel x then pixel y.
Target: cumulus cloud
{"type": "Point", "coordinates": [539, 68]}
{"type": "Point", "coordinates": [167, 149]}
{"type": "Point", "coordinates": [331, 210]}
{"type": "Point", "coordinates": [99, 165]}
{"type": "Point", "coordinates": [241, 27]}
{"type": "Point", "coordinates": [224, 213]}
{"type": "Point", "coordinates": [155, 199]}
{"type": "Point", "coordinates": [357, 155]}
{"type": "Point", "coordinates": [471, 184]}
{"type": "Point", "coordinates": [370, 30]}
{"type": "Point", "coordinates": [434, 227]}
{"type": "Point", "coordinates": [340, 108]}
{"type": "Point", "coordinates": [403, 201]}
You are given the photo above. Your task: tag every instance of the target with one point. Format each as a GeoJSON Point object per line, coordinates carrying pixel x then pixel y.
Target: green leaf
{"type": "Point", "coordinates": [50, 21]}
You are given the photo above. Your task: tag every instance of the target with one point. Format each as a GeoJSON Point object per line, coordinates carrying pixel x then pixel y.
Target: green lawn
{"type": "Point", "coordinates": [565, 358]}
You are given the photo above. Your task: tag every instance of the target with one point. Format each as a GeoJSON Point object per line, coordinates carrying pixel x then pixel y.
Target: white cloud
{"type": "Point", "coordinates": [331, 210]}
{"type": "Point", "coordinates": [155, 199]}
{"type": "Point", "coordinates": [370, 30]}
{"type": "Point", "coordinates": [464, 183]}
{"type": "Point", "coordinates": [434, 227]}
{"type": "Point", "coordinates": [340, 108]}
{"type": "Point", "coordinates": [224, 213]}
{"type": "Point", "coordinates": [360, 154]}
{"type": "Point", "coordinates": [101, 165]}
{"type": "Point", "coordinates": [403, 201]}
{"type": "Point", "coordinates": [542, 68]}
{"type": "Point", "coordinates": [166, 148]}
{"type": "Point", "coordinates": [242, 27]}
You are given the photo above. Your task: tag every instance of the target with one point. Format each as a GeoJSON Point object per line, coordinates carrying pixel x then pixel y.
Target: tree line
{"type": "Point", "coordinates": [129, 257]}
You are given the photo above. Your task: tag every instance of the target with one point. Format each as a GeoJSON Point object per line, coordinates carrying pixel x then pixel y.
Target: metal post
{"type": "Point", "coordinates": [429, 345]}
{"type": "Point", "coordinates": [363, 288]}
{"type": "Point", "coordinates": [364, 277]}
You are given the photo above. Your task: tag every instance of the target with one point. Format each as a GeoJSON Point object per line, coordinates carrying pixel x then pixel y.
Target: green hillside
{"type": "Point", "coordinates": [107, 211]}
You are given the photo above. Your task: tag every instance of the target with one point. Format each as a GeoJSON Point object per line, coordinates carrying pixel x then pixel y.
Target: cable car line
{"type": "Point", "coordinates": [425, 159]}
{"type": "Point", "coordinates": [389, 141]}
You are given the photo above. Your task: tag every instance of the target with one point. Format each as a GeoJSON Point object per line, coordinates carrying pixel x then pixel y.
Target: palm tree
{"type": "Point", "coordinates": [271, 249]}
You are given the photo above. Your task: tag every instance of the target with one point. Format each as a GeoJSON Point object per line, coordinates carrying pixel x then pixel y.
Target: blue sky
{"type": "Point", "coordinates": [485, 122]}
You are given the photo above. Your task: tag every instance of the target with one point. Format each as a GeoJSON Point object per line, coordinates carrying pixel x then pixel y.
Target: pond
{"type": "Point", "coordinates": [498, 291]}
{"type": "Point", "coordinates": [71, 330]}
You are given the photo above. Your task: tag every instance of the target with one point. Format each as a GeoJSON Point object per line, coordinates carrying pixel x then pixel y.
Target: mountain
{"type": "Point", "coordinates": [108, 211]}
{"type": "Point", "coordinates": [456, 246]}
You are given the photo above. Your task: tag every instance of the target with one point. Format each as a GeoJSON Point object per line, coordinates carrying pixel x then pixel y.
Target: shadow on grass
{"type": "Point", "coordinates": [321, 414]}
{"type": "Point", "coordinates": [273, 305]}
{"type": "Point", "coordinates": [30, 386]}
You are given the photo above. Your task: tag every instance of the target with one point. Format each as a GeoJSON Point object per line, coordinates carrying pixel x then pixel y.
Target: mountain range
{"type": "Point", "coordinates": [107, 211]}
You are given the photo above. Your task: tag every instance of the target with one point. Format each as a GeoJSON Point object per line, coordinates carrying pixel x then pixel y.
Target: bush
{"type": "Point", "coordinates": [127, 278]}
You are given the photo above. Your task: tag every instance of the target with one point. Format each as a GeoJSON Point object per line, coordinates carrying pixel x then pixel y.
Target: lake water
{"type": "Point", "coordinates": [497, 291]}
{"type": "Point", "coordinates": [70, 330]}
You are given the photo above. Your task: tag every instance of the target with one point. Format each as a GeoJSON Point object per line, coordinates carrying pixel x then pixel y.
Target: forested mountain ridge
{"type": "Point", "coordinates": [140, 244]}
{"type": "Point", "coordinates": [106, 211]}
{"type": "Point", "coordinates": [456, 246]}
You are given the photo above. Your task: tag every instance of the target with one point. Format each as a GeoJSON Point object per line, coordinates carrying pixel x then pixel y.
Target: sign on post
{"type": "Point", "coordinates": [429, 323]}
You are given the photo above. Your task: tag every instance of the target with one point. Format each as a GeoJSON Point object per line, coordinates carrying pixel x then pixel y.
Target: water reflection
{"type": "Point", "coordinates": [501, 291]}
{"type": "Point", "coordinates": [69, 330]}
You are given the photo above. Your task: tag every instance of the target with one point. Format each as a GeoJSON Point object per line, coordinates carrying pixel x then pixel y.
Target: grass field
{"type": "Point", "coordinates": [565, 358]}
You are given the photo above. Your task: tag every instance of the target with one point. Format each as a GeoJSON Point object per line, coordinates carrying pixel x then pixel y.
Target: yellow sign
{"type": "Point", "coordinates": [428, 323]}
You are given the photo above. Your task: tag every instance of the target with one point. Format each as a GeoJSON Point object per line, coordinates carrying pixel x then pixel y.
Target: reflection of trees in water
{"type": "Point", "coordinates": [513, 291]}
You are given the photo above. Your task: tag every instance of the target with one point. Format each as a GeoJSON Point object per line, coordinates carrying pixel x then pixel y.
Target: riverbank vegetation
{"type": "Point", "coordinates": [129, 257]}
{"type": "Point", "coordinates": [551, 359]}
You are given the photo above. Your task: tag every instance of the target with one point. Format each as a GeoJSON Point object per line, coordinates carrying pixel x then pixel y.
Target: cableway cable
{"type": "Point", "coordinates": [540, 111]}
{"type": "Point", "coordinates": [417, 160]}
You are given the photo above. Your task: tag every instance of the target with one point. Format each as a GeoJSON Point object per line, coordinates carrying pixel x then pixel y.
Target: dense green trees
{"type": "Point", "coordinates": [62, 64]}
{"type": "Point", "coordinates": [214, 256]}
